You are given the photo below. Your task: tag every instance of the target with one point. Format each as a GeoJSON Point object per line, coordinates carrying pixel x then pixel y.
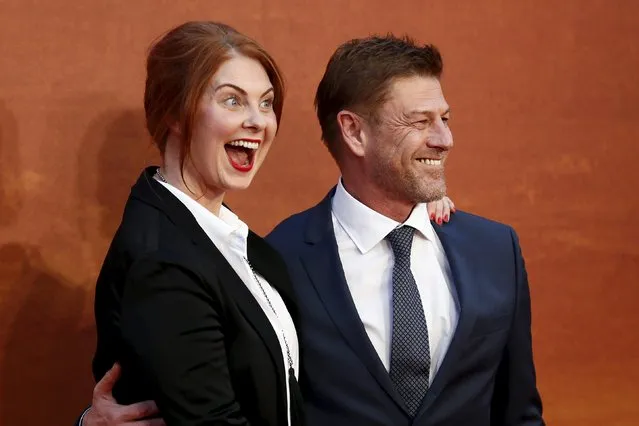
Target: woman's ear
{"type": "Point", "coordinates": [175, 128]}
{"type": "Point", "coordinates": [351, 128]}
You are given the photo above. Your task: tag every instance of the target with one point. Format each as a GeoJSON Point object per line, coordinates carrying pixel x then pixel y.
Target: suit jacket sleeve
{"type": "Point", "coordinates": [172, 326]}
{"type": "Point", "coordinates": [516, 401]}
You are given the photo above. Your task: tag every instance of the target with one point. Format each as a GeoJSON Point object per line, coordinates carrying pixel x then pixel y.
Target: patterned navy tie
{"type": "Point", "coordinates": [410, 352]}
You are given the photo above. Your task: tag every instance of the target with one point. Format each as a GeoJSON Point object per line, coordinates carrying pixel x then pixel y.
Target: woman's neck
{"type": "Point", "coordinates": [193, 187]}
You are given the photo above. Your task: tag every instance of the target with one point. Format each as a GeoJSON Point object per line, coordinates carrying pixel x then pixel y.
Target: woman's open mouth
{"type": "Point", "coordinates": [241, 153]}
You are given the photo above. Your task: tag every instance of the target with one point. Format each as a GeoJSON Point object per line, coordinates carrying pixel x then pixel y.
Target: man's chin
{"type": "Point", "coordinates": [432, 194]}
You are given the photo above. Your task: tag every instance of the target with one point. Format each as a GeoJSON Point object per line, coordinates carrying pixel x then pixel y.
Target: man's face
{"type": "Point", "coordinates": [409, 141]}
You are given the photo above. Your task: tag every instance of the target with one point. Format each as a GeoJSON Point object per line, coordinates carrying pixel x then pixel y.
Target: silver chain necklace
{"type": "Point", "coordinates": [259, 283]}
{"type": "Point", "coordinates": [159, 175]}
{"type": "Point", "coordinates": [268, 300]}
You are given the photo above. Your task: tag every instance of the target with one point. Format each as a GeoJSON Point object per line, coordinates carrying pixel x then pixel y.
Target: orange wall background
{"type": "Point", "coordinates": [544, 95]}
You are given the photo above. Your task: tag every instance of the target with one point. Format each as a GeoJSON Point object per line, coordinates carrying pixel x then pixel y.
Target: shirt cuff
{"type": "Point", "coordinates": [82, 416]}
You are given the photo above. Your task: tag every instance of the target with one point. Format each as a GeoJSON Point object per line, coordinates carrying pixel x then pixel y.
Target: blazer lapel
{"type": "Point", "coordinates": [462, 276]}
{"type": "Point", "coordinates": [148, 190]}
{"type": "Point", "coordinates": [252, 311]}
{"type": "Point", "coordinates": [325, 270]}
{"type": "Point", "coordinates": [271, 266]}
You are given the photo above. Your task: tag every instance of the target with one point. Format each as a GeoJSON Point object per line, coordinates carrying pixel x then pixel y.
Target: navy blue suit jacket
{"type": "Point", "coordinates": [487, 377]}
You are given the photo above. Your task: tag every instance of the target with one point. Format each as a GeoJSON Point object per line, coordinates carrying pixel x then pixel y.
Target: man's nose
{"type": "Point", "coordinates": [442, 137]}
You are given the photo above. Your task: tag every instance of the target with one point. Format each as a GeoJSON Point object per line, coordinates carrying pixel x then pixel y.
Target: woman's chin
{"type": "Point", "coordinates": [238, 183]}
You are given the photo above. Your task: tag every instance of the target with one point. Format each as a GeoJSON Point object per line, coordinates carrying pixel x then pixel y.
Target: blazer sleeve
{"type": "Point", "coordinates": [516, 400]}
{"type": "Point", "coordinates": [172, 327]}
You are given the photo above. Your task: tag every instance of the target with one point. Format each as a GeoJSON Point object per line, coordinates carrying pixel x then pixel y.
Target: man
{"type": "Point", "coordinates": [404, 321]}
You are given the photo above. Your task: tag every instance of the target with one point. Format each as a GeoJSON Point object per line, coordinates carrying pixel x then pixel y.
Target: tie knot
{"type": "Point", "coordinates": [401, 241]}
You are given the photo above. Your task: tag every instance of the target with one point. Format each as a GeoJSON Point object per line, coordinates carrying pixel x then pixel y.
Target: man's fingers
{"type": "Point", "coordinates": [104, 387]}
{"type": "Point", "coordinates": [150, 422]}
{"type": "Point", "coordinates": [138, 411]}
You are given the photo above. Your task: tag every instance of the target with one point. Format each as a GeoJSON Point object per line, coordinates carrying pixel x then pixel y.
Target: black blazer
{"type": "Point", "coordinates": [187, 331]}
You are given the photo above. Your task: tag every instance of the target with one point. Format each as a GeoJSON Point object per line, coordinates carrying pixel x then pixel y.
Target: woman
{"type": "Point", "coordinates": [198, 310]}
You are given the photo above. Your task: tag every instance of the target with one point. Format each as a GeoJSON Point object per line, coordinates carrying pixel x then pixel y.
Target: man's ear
{"type": "Point", "coordinates": [351, 126]}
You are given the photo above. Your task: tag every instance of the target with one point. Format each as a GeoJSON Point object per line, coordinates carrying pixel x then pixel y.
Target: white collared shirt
{"type": "Point", "coordinates": [230, 234]}
{"type": "Point", "coordinates": [367, 259]}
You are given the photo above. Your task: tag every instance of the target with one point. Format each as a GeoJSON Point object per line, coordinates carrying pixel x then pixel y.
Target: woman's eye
{"type": "Point", "coordinates": [267, 103]}
{"type": "Point", "coordinates": [232, 101]}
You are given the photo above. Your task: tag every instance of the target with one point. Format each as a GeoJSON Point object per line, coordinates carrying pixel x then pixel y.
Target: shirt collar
{"type": "Point", "coordinates": [218, 228]}
{"type": "Point", "coordinates": [366, 227]}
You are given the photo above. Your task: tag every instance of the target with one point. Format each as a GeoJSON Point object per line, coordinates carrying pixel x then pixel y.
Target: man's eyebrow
{"type": "Point", "coordinates": [239, 89]}
{"type": "Point", "coordinates": [427, 112]}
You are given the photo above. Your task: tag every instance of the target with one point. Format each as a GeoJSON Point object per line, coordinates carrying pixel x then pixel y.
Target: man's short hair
{"type": "Point", "coordinates": [359, 75]}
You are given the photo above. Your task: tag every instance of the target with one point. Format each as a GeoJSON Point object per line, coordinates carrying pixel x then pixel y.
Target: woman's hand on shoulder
{"type": "Point", "coordinates": [439, 211]}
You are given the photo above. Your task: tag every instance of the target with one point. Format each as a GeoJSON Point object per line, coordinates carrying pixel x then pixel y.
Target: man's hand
{"type": "Point", "coordinates": [440, 210]}
{"type": "Point", "coordinates": [105, 411]}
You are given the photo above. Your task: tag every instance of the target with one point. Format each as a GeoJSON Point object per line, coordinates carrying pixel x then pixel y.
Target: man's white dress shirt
{"type": "Point", "coordinates": [367, 259]}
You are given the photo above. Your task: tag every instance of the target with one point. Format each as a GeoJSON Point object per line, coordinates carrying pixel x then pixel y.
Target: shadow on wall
{"type": "Point", "coordinates": [10, 200]}
{"type": "Point", "coordinates": [43, 346]}
{"type": "Point", "coordinates": [121, 147]}
{"type": "Point", "coordinates": [47, 346]}
{"type": "Point", "coordinates": [44, 349]}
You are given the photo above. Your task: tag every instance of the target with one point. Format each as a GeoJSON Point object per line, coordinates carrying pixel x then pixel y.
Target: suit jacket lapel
{"type": "Point", "coordinates": [462, 276]}
{"type": "Point", "coordinates": [148, 190]}
{"type": "Point", "coordinates": [325, 270]}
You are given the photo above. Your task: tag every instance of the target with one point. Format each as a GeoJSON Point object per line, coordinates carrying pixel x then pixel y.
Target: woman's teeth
{"type": "Point", "coordinates": [245, 144]}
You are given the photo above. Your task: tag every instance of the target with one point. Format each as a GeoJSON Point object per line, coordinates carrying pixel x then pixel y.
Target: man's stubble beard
{"type": "Point", "coordinates": [408, 186]}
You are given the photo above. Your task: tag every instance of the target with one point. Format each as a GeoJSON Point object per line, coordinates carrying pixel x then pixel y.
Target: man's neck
{"type": "Point", "coordinates": [378, 200]}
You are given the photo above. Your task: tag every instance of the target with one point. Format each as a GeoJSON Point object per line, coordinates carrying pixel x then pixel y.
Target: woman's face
{"type": "Point", "coordinates": [234, 126]}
